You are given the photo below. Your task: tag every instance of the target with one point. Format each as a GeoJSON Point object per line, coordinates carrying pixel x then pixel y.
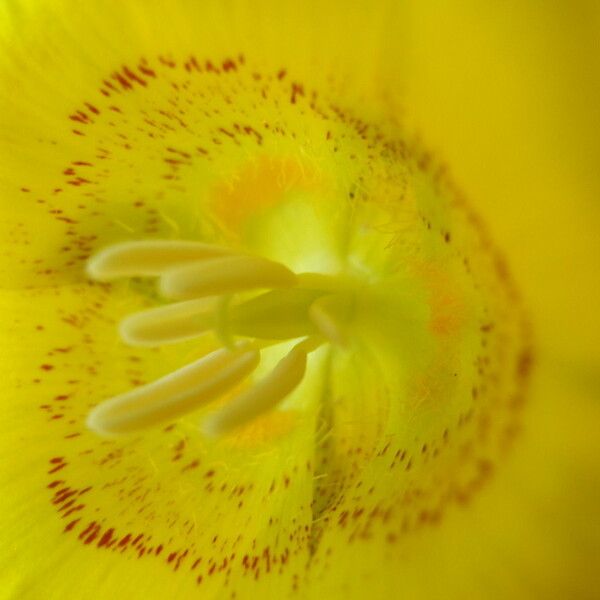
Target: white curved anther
{"type": "Point", "coordinates": [225, 275]}
{"type": "Point", "coordinates": [168, 324]}
{"type": "Point", "coordinates": [261, 397]}
{"type": "Point", "coordinates": [175, 394]}
{"type": "Point", "coordinates": [148, 258]}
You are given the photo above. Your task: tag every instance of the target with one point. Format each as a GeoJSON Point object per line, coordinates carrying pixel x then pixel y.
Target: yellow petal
{"type": "Point", "coordinates": [81, 167]}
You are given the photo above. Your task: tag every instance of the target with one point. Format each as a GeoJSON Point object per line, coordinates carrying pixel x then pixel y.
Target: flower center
{"type": "Point", "coordinates": [407, 407]}
{"type": "Point", "coordinates": [217, 291]}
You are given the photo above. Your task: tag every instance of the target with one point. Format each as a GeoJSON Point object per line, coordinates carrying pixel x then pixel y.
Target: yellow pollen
{"type": "Point", "coordinates": [295, 307]}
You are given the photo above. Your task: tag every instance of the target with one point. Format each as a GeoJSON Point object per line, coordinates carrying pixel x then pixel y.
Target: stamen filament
{"type": "Point", "coordinates": [175, 394]}
{"type": "Point", "coordinates": [224, 276]}
{"type": "Point", "coordinates": [222, 324]}
{"type": "Point", "coordinates": [278, 314]}
{"type": "Point", "coordinates": [148, 258]}
{"type": "Point", "coordinates": [325, 313]}
{"type": "Point", "coordinates": [262, 396]}
{"type": "Point", "coordinates": [322, 282]}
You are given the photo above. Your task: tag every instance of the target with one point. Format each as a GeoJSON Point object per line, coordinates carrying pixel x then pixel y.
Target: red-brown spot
{"type": "Point", "coordinates": [69, 526]}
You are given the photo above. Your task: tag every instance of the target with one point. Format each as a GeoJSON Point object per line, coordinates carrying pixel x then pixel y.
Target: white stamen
{"type": "Point", "coordinates": [261, 397]}
{"type": "Point", "coordinates": [310, 305]}
{"type": "Point", "coordinates": [168, 324]}
{"type": "Point", "coordinates": [175, 394]}
{"type": "Point", "coordinates": [224, 276]}
{"type": "Point", "coordinates": [148, 258]}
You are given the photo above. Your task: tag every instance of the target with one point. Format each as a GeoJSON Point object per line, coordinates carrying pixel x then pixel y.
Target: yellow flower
{"type": "Point", "coordinates": [411, 456]}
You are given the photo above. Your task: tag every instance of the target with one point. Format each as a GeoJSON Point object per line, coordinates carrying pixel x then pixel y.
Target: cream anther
{"type": "Point", "coordinates": [261, 397]}
{"type": "Point", "coordinates": [225, 276]}
{"type": "Point", "coordinates": [176, 394]}
{"type": "Point", "coordinates": [168, 324]}
{"type": "Point", "coordinates": [148, 258]}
